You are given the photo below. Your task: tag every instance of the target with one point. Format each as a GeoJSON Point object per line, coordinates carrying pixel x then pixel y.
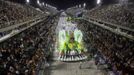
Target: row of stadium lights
{"type": "Point", "coordinates": [84, 5]}
{"type": "Point", "coordinates": [119, 1]}
{"type": "Point", "coordinates": [42, 4]}
{"type": "Point", "coordinates": [79, 6]}
{"type": "Point", "coordinates": [98, 2]}
{"type": "Point", "coordinates": [38, 2]}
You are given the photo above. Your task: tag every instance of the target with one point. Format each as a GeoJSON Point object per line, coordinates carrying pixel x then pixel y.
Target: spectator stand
{"type": "Point", "coordinates": [13, 13]}
{"type": "Point", "coordinates": [111, 50]}
{"type": "Point", "coordinates": [30, 45]}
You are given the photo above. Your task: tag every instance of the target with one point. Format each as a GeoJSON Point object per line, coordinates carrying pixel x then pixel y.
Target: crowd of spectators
{"type": "Point", "coordinates": [23, 53]}
{"type": "Point", "coordinates": [114, 13]}
{"type": "Point", "coordinates": [116, 50]}
{"type": "Point", "coordinates": [13, 13]}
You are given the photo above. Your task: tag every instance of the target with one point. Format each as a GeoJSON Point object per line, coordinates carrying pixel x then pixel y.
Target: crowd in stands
{"type": "Point", "coordinates": [23, 53]}
{"type": "Point", "coordinates": [74, 10]}
{"type": "Point", "coordinates": [115, 13]}
{"type": "Point", "coordinates": [4, 33]}
{"type": "Point", "coordinates": [13, 13]}
{"type": "Point", "coordinates": [116, 51]}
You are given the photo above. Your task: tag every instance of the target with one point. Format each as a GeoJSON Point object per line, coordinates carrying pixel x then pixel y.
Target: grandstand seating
{"type": "Point", "coordinates": [12, 13]}
{"type": "Point", "coordinates": [116, 50]}
{"type": "Point", "coordinates": [23, 53]}
{"type": "Point", "coordinates": [114, 13]}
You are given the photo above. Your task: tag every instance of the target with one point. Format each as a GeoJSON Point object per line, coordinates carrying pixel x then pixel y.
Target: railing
{"type": "Point", "coordinates": [11, 27]}
{"type": "Point", "coordinates": [115, 28]}
{"type": "Point", "coordinates": [16, 29]}
{"type": "Point", "coordinates": [111, 24]}
{"type": "Point", "coordinates": [104, 22]}
{"type": "Point", "coordinates": [10, 23]}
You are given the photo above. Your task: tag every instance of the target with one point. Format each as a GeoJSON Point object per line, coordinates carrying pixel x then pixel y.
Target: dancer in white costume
{"type": "Point", "coordinates": [78, 35]}
{"type": "Point", "coordinates": [62, 39]}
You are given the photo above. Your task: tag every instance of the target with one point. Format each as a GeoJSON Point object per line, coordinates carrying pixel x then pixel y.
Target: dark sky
{"type": "Point", "coordinates": [64, 4]}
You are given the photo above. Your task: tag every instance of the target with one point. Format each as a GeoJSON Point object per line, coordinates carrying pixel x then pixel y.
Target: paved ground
{"type": "Point", "coordinates": [73, 68]}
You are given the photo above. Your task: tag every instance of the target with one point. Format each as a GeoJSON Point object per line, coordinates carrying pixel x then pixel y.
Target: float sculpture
{"type": "Point", "coordinates": [70, 43]}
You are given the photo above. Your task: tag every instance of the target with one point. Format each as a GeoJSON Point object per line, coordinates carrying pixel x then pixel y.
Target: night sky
{"type": "Point", "coordinates": [64, 4]}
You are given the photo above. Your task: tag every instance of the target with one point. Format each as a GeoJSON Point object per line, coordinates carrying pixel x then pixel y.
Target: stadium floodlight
{"type": "Point", "coordinates": [38, 2]}
{"type": "Point", "coordinates": [46, 5]}
{"type": "Point", "coordinates": [98, 1]}
{"type": "Point", "coordinates": [43, 3]}
{"type": "Point", "coordinates": [84, 5]}
{"type": "Point", "coordinates": [79, 6]}
{"type": "Point", "coordinates": [27, 1]}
